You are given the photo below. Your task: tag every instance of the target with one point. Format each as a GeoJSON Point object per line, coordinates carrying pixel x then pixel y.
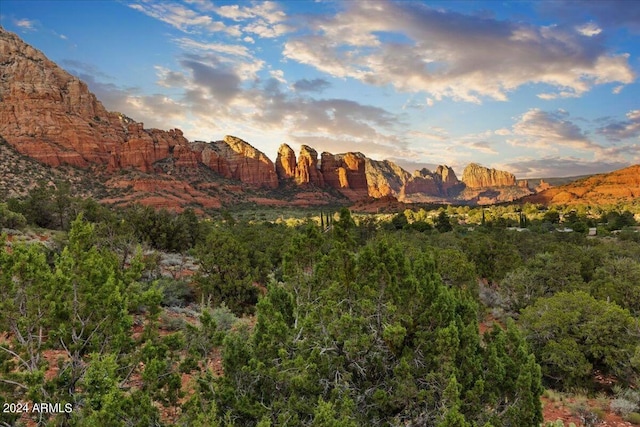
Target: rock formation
{"type": "Point", "coordinates": [427, 186]}
{"type": "Point", "coordinates": [422, 182]}
{"type": "Point", "coordinates": [51, 116]}
{"type": "Point", "coordinates": [307, 171]}
{"type": "Point", "coordinates": [286, 163]}
{"type": "Point", "coordinates": [246, 163]}
{"type": "Point", "coordinates": [543, 185]}
{"type": "Point", "coordinates": [384, 178]}
{"type": "Point", "coordinates": [476, 176]}
{"type": "Point", "coordinates": [304, 170]}
{"type": "Point", "coordinates": [447, 179]}
{"type": "Point", "coordinates": [345, 172]}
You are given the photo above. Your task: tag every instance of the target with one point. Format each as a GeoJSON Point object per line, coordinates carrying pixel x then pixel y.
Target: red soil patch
{"type": "Point", "coordinates": [561, 410]}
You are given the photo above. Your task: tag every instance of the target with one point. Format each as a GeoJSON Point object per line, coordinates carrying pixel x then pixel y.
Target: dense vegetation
{"type": "Point", "coordinates": [332, 320]}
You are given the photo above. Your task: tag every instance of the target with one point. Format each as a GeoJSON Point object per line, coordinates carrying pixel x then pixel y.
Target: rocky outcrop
{"type": "Point", "coordinates": [50, 115]}
{"type": "Point", "coordinates": [286, 163]}
{"type": "Point", "coordinates": [446, 178]}
{"type": "Point", "coordinates": [476, 176]}
{"type": "Point", "coordinates": [307, 171]}
{"type": "Point", "coordinates": [384, 178]}
{"type": "Point", "coordinates": [543, 185]}
{"type": "Point", "coordinates": [246, 163]}
{"type": "Point", "coordinates": [345, 172]}
{"type": "Point", "coordinates": [47, 114]}
{"type": "Point", "coordinates": [427, 186]}
{"type": "Point", "coordinates": [421, 182]}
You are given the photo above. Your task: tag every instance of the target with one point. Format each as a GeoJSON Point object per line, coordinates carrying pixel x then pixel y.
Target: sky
{"type": "Point", "coordinates": [540, 88]}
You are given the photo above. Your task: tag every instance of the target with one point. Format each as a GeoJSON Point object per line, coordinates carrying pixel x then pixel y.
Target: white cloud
{"type": "Point", "coordinates": [550, 131]}
{"type": "Point", "coordinates": [183, 18]}
{"type": "Point", "coordinates": [447, 54]}
{"type": "Point", "coordinates": [278, 75]}
{"type": "Point", "coordinates": [266, 19]}
{"type": "Point", "coordinates": [25, 24]}
{"type": "Point", "coordinates": [558, 166]}
{"type": "Point", "coordinates": [226, 49]}
{"type": "Point", "coordinates": [624, 129]}
{"type": "Point", "coordinates": [433, 133]}
{"type": "Point", "coordinates": [589, 29]}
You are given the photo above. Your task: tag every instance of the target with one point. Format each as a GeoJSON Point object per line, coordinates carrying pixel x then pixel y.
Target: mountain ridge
{"type": "Point", "coordinates": [51, 116]}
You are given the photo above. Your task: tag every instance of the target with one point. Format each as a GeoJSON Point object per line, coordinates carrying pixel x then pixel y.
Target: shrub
{"type": "Point", "coordinates": [10, 219]}
{"type": "Point", "coordinates": [175, 293]}
{"type": "Point", "coordinates": [633, 418]}
{"type": "Point", "coordinates": [171, 323]}
{"type": "Point", "coordinates": [622, 406]}
{"type": "Point", "coordinates": [223, 317]}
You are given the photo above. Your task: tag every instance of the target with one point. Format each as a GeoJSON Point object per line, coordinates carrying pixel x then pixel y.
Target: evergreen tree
{"type": "Point", "coordinates": [225, 273]}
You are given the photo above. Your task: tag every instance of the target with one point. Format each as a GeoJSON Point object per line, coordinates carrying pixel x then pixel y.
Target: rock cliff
{"type": "Point", "coordinates": [307, 171]}
{"type": "Point", "coordinates": [345, 172]}
{"type": "Point", "coordinates": [50, 116]}
{"type": "Point", "coordinates": [286, 163]}
{"type": "Point", "coordinates": [446, 178]}
{"type": "Point", "coordinates": [476, 176]}
{"type": "Point", "coordinates": [246, 163]}
{"type": "Point", "coordinates": [384, 178]}
{"type": "Point", "coordinates": [427, 186]}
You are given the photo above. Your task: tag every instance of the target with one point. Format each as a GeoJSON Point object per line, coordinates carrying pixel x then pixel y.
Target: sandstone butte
{"type": "Point", "coordinates": [476, 176]}
{"type": "Point", "coordinates": [52, 117]}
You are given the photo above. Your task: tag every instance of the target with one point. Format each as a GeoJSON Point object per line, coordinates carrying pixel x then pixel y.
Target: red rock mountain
{"type": "Point", "coordinates": [51, 116]}
{"type": "Point", "coordinates": [623, 184]}
{"type": "Point", "coordinates": [476, 176]}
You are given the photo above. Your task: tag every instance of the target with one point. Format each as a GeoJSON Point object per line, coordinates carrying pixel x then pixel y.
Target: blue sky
{"type": "Point", "coordinates": [537, 88]}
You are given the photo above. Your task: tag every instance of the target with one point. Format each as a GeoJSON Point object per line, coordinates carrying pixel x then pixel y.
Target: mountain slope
{"type": "Point", "coordinates": [613, 187]}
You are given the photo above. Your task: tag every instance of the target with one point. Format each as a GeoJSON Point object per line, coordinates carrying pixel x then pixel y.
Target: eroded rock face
{"type": "Point", "coordinates": [46, 113]}
{"type": "Point", "coordinates": [476, 176]}
{"type": "Point", "coordinates": [423, 182]}
{"type": "Point", "coordinates": [50, 115]}
{"type": "Point", "coordinates": [384, 178]}
{"type": "Point", "coordinates": [307, 171]}
{"type": "Point", "coordinates": [246, 163]}
{"type": "Point", "coordinates": [345, 172]}
{"type": "Point", "coordinates": [286, 162]}
{"type": "Point", "coordinates": [446, 178]}
{"type": "Point", "coordinates": [427, 186]}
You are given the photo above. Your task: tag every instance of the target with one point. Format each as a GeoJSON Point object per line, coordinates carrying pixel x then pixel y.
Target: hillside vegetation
{"type": "Point", "coordinates": [140, 317]}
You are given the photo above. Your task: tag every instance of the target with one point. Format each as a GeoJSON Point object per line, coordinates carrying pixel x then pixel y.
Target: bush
{"type": "Point", "coordinates": [171, 323]}
{"type": "Point", "coordinates": [589, 416]}
{"type": "Point", "coordinates": [10, 219]}
{"type": "Point", "coordinates": [175, 293]}
{"type": "Point", "coordinates": [223, 317]}
{"type": "Point", "coordinates": [633, 418]}
{"type": "Point", "coordinates": [622, 406]}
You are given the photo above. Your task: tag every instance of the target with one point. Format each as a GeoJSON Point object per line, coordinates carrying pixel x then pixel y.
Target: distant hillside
{"type": "Point", "coordinates": [557, 181]}
{"type": "Point", "coordinates": [613, 187]}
